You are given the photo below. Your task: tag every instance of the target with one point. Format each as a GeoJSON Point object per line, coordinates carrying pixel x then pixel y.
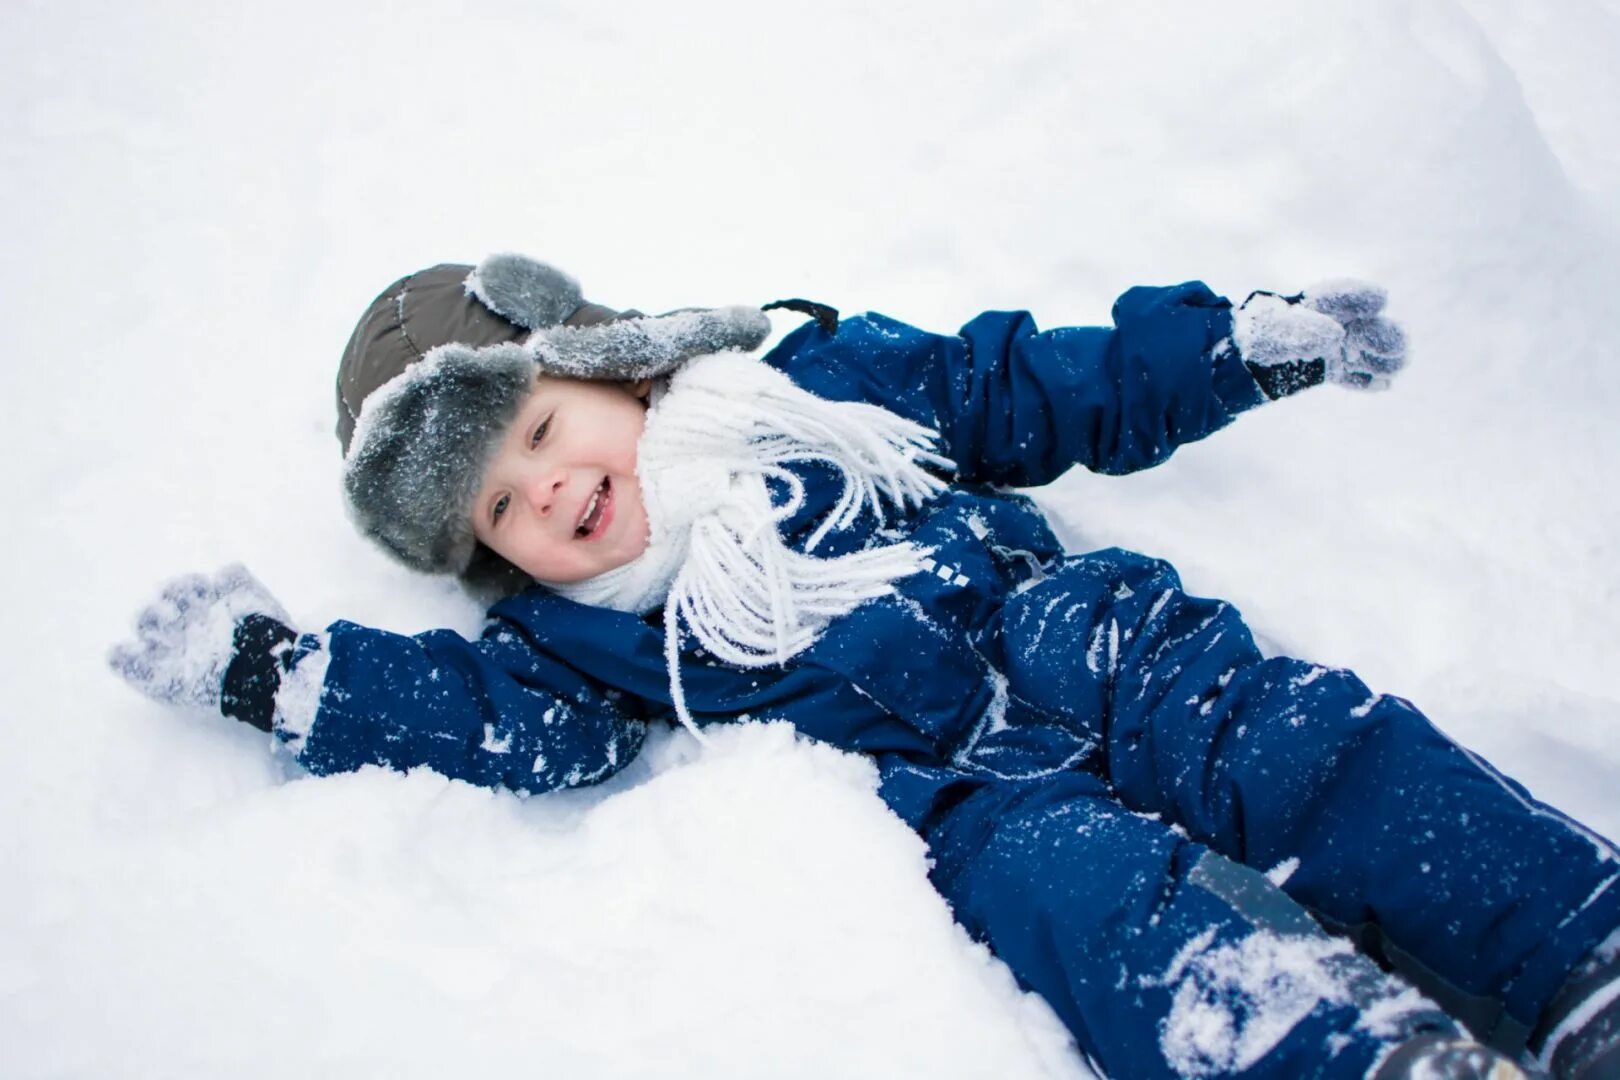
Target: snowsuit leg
{"type": "Point", "coordinates": [1481, 894]}
{"type": "Point", "coordinates": [1163, 958]}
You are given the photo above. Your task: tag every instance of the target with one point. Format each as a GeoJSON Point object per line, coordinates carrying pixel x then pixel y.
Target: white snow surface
{"type": "Point", "coordinates": [198, 202]}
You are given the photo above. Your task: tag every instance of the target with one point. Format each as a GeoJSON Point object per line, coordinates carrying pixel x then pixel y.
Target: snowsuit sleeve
{"type": "Point", "coordinates": [494, 712]}
{"type": "Point", "coordinates": [1018, 406]}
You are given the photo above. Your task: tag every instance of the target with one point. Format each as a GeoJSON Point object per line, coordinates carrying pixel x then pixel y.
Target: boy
{"type": "Point", "coordinates": [1102, 765]}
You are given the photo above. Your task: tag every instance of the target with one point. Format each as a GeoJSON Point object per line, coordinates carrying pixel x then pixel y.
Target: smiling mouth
{"type": "Point", "coordinates": [596, 510]}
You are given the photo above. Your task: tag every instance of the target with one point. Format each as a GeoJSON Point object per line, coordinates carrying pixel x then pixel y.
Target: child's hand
{"type": "Point", "coordinates": [188, 636]}
{"type": "Point", "coordinates": [1333, 331]}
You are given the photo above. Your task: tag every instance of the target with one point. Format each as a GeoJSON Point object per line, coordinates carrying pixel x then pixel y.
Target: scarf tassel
{"type": "Point", "coordinates": [717, 432]}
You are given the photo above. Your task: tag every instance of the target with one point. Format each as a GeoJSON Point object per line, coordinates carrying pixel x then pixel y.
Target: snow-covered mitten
{"type": "Point", "coordinates": [1331, 332]}
{"type": "Point", "coordinates": [219, 642]}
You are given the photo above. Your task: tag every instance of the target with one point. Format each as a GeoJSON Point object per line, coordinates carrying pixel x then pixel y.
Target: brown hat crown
{"type": "Point", "coordinates": [418, 312]}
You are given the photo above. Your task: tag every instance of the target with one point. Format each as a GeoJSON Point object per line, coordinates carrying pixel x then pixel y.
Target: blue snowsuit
{"type": "Point", "coordinates": [1096, 758]}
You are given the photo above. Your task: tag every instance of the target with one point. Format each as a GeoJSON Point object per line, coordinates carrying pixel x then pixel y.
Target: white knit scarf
{"type": "Point", "coordinates": [717, 430]}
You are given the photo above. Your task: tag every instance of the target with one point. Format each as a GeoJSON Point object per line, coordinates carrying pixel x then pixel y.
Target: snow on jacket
{"type": "Point", "coordinates": [557, 694]}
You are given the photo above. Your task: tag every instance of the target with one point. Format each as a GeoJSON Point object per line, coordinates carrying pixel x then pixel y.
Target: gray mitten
{"type": "Point", "coordinates": [1331, 332]}
{"type": "Point", "coordinates": [1374, 346]}
{"type": "Point", "coordinates": [187, 638]}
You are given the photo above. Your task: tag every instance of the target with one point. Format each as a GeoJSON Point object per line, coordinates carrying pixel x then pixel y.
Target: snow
{"type": "Point", "coordinates": [1269, 330]}
{"type": "Point", "coordinates": [1234, 1002]}
{"type": "Point", "coordinates": [1284, 870]}
{"type": "Point", "coordinates": [635, 348]}
{"type": "Point", "coordinates": [298, 695]}
{"type": "Point", "coordinates": [197, 207]}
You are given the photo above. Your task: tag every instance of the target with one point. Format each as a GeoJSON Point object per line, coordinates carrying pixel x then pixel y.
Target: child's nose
{"type": "Point", "coordinates": [544, 489]}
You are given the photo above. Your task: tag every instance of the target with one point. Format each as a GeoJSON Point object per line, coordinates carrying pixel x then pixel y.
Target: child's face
{"type": "Point", "coordinates": [560, 500]}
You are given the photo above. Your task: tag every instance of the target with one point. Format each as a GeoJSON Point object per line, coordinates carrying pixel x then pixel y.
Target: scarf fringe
{"type": "Point", "coordinates": [719, 430]}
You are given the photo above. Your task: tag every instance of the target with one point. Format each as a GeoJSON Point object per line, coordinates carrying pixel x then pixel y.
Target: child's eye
{"type": "Point", "coordinates": [539, 433]}
{"type": "Point", "coordinates": [499, 508]}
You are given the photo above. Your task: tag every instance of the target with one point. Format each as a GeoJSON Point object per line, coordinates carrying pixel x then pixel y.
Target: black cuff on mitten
{"type": "Point", "coordinates": [1280, 380]}
{"type": "Point", "coordinates": [254, 675]}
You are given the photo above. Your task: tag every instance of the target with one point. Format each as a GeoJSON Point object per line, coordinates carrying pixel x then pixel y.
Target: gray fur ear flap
{"type": "Point", "coordinates": [641, 348]}
{"type": "Point", "coordinates": [524, 290]}
{"type": "Point", "coordinates": [421, 445]}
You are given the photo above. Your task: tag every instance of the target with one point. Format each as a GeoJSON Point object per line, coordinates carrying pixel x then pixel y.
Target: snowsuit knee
{"type": "Point", "coordinates": [1163, 957]}
{"type": "Point", "coordinates": [1364, 813]}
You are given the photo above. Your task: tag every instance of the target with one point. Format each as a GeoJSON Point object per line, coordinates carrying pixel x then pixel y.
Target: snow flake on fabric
{"type": "Point", "coordinates": [1390, 1017]}
{"type": "Point", "coordinates": [1284, 870]}
{"type": "Point", "coordinates": [1236, 1001]}
{"type": "Point", "coordinates": [1365, 707]}
{"type": "Point", "coordinates": [1103, 638]}
{"type": "Point", "coordinates": [494, 745]}
{"type": "Point", "coordinates": [1299, 682]}
{"type": "Point", "coordinates": [298, 698]}
{"type": "Point", "coordinates": [995, 716]}
{"type": "Point", "coordinates": [993, 720]}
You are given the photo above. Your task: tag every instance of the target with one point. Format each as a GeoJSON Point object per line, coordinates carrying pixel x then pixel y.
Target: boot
{"type": "Point", "coordinates": [1438, 1055]}
{"type": "Point", "coordinates": [1579, 1034]}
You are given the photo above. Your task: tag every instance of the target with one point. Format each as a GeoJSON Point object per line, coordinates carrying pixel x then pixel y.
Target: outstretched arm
{"type": "Point", "coordinates": [1015, 405]}
{"type": "Point", "coordinates": [493, 712]}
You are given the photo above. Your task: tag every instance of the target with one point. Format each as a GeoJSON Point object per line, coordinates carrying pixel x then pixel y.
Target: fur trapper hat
{"type": "Point", "coordinates": [439, 365]}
